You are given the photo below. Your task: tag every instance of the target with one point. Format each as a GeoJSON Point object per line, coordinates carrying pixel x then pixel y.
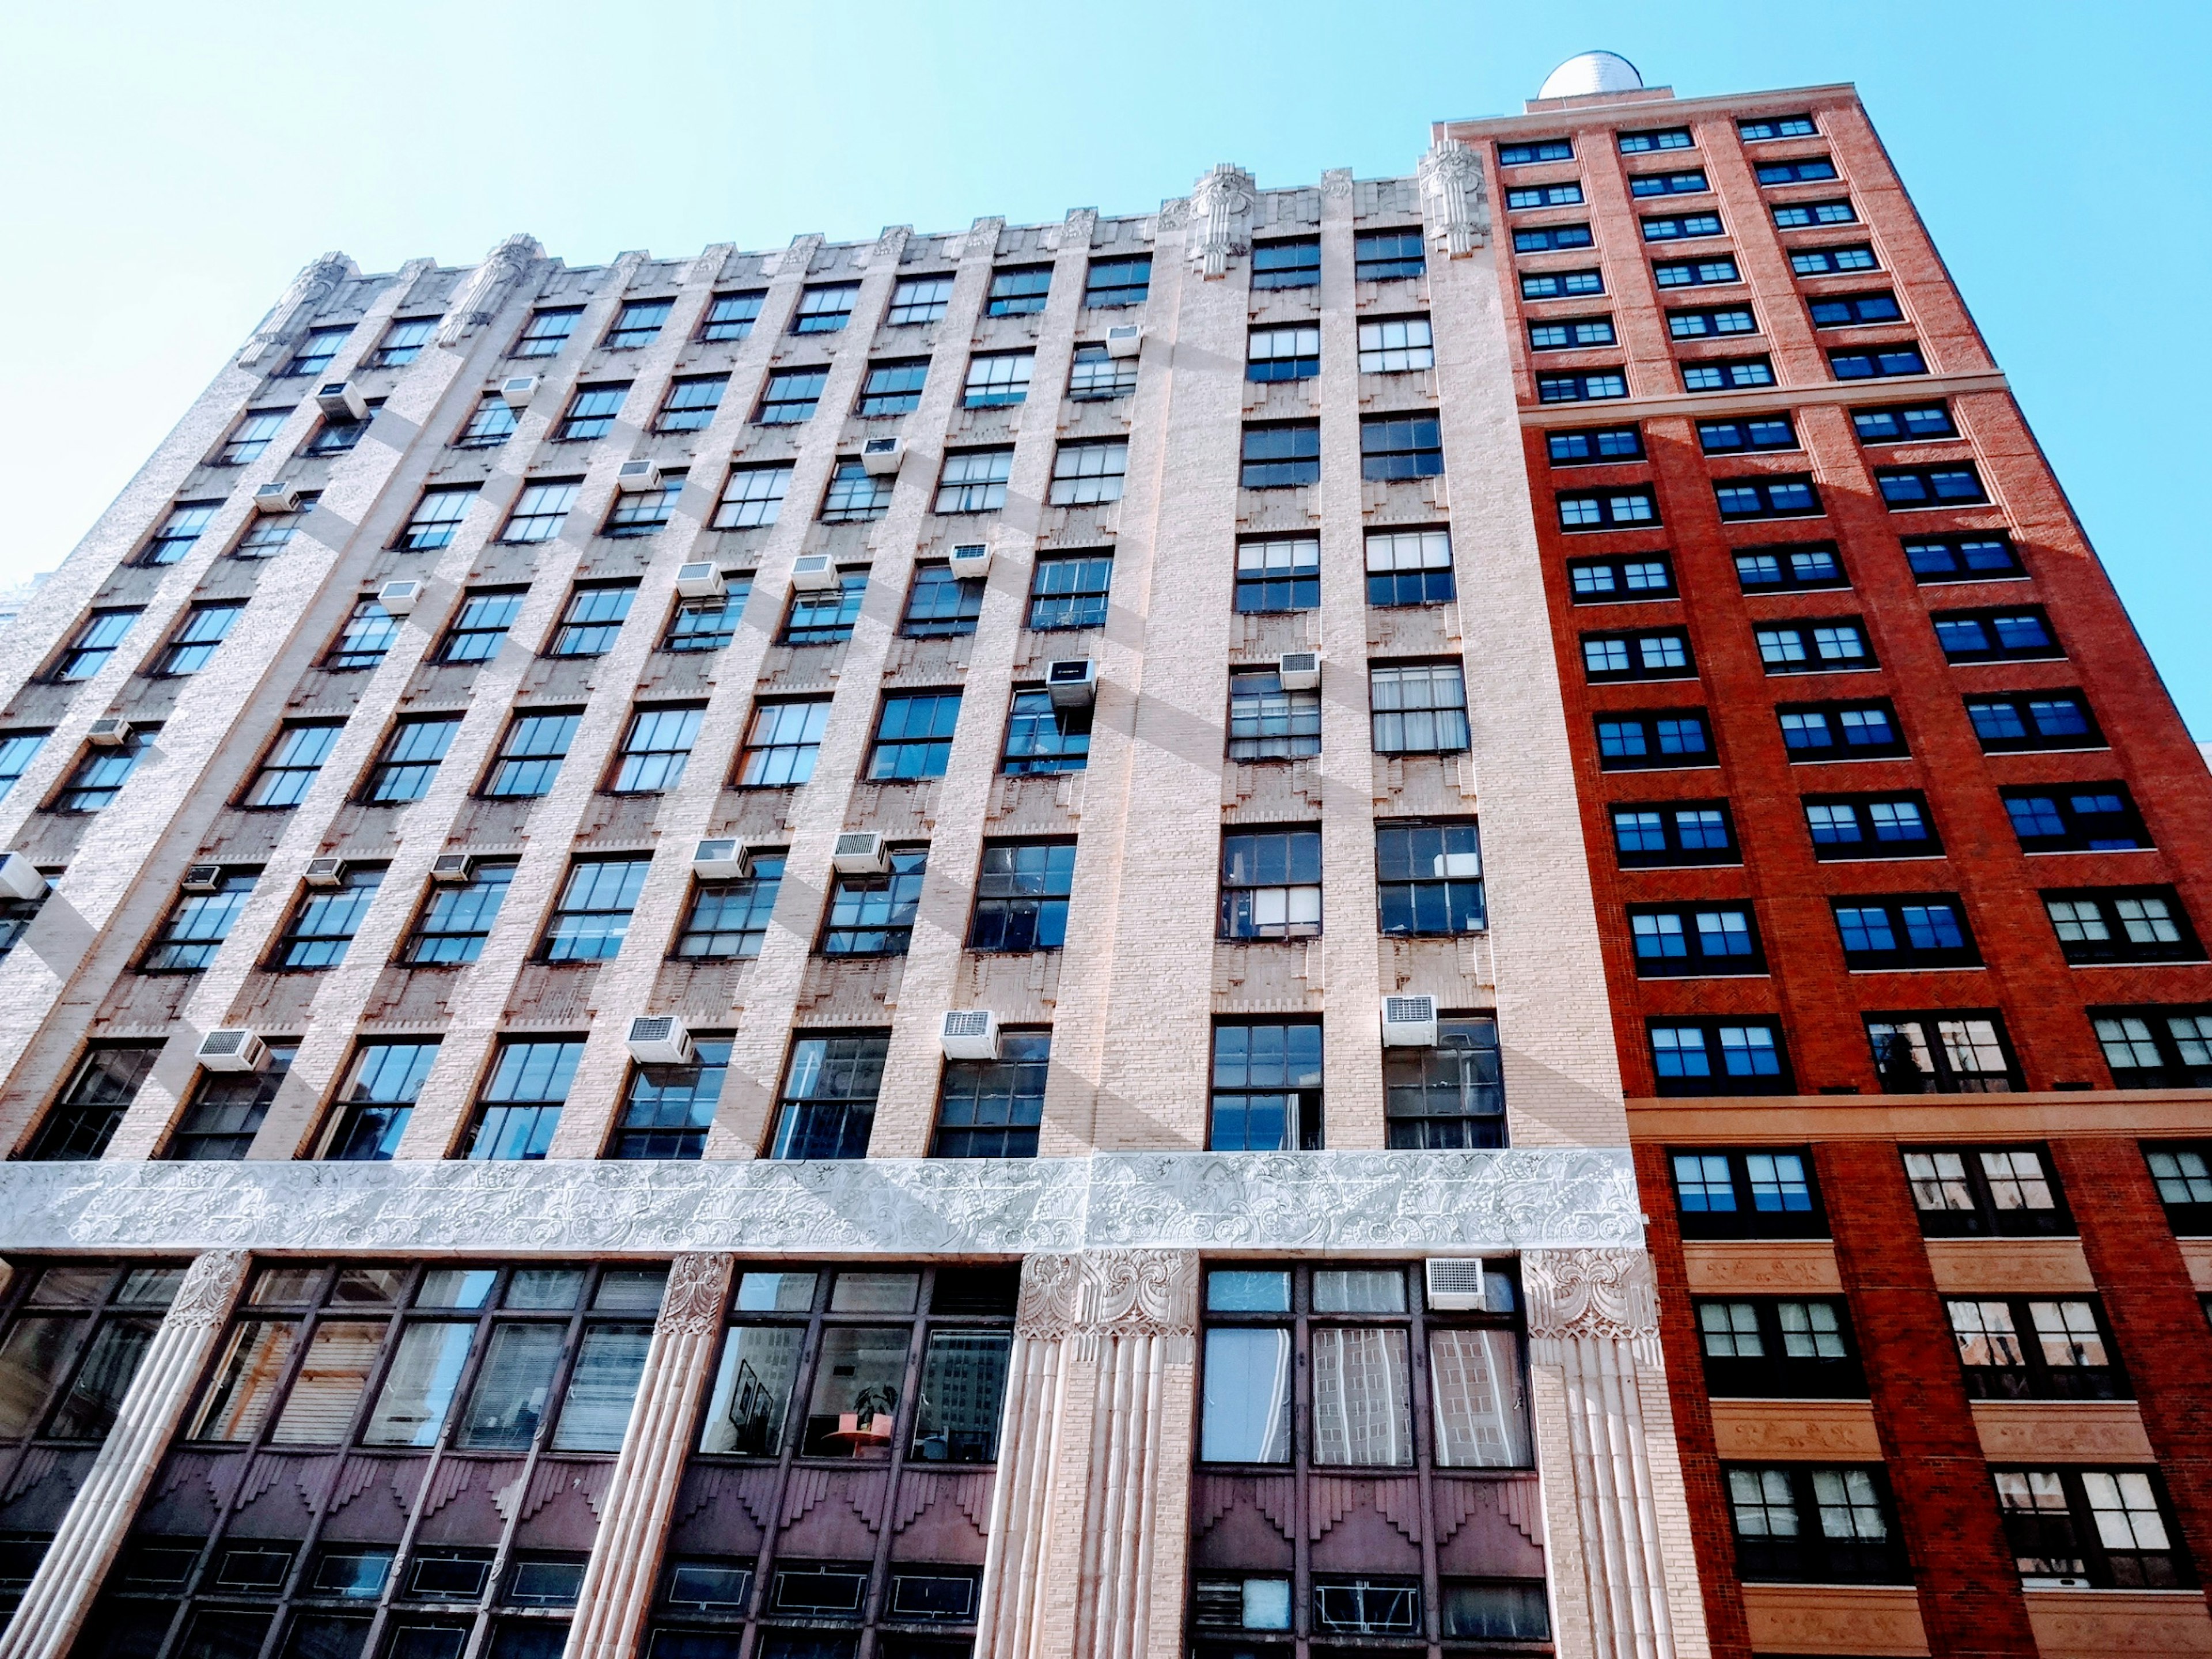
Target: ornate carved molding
{"type": "Point", "coordinates": [210, 1285]}
{"type": "Point", "coordinates": [487, 288]}
{"type": "Point", "coordinates": [1336, 184]}
{"type": "Point", "coordinates": [1590, 1292]}
{"type": "Point", "coordinates": [1221, 204]}
{"type": "Point", "coordinates": [1109, 1293]}
{"type": "Point", "coordinates": [300, 300]}
{"type": "Point", "coordinates": [1451, 178]}
{"type": "Point", "coordinates": [698, 1285]}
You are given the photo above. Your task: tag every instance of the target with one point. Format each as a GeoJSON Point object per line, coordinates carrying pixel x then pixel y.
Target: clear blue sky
{"type": "Point", "coordinates": [168, 167]}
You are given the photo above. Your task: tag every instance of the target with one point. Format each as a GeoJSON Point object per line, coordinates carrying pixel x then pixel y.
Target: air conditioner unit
{"type": "Point", "coordinates": [634, 477]}
{"type": "Point", "coordinates": [860, 852]}
{"type": "Point", "coordinates": [723, 858]}
{"type": "Point", "coordinates": [232, 1049]}
{"type": "Point", "coordinates": [970, 1034]}
{"type": "Point", "coordinates": [1073, 681]}
{"type": "Point", "coordinates": [325, 873]}
{"type": "Point", "coordinates": [812, 572]}
{"type": "Point", "coordinates": [970, 560]}
{"type": "Point", "coordinates": [450, 866]}
{"type": "Point", "coordinates": [1125, 339]}
{"type": "Point", "coordinates": [342, 401]}
{"type": "Point", "coordinates": [1299, 671]}
{"type": "Point", "coordinates": [1456, 1283]}
{"type": "Point", "coordinates": [517, 390]}
{"type": "Point", "coordinates": [203, 879]}
{"type": "Point", "coordinates": [277, 496]}
{"type": "Point", "coordinates": [109, 732]}
{"type": "Point", "coordinates": [399, 597]}
{"type": "Point", "coordinates": [19, 878]}
{"type": "Point", "coordinates": [660, 1039]}
{"type": "Point", "coordinates": [880, 457]}
{"type": "Point", "coordinates": [1409, 1022]}
{"type": "Point", "coordinates": [700, 581]}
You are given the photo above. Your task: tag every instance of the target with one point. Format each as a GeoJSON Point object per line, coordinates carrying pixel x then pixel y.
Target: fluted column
{"type": "Point", "coordinates": [85, 1546]}
{"type": "Point", "coordinates": [1624, 1580]}
{"type": "Point", "coordinates": [617, 1589]}
{"type": "Point", "coordinates": [1087, 1538]}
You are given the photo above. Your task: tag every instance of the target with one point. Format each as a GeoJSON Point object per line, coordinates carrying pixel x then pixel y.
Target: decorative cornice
{"type": "Point", "coordinates": [1373, 1203]}
{"type": "Point", "coordinates": [1606, 1293]}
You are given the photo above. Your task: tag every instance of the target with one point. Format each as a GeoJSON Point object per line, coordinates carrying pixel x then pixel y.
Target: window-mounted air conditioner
{"type": "Point", "coordinates": [860, 852]}
{"type": "Point", "coordinates": [19, 878]}
{"type": "Point", "coordinates": [232, 1049]}
{"type": "Point", "coordinates": [812, 572]}
{"type": "Point", "coordinates": [324, 872]}
{"type": "Point", "coordinates": [880, 457]}
{"type": "Point", "coordinates": [399, 597]}
{"type": "Point", "coordinates": [109, 732]}
{"type": "Point", "coordinates": [277, 496]}
{"type": "Point", "coordinates": [660, 1039]}
{"type": "Point", "coordinates": [1299, 671]}
{"type": "Point", "coordinates": [450, 866]}
{"type": "Point", "coordinates": [203, 879]}
{"type": "Point", "coordinates": [340, 400]}
{"type": "Point", "coordinates": [1125, 339]}
{"type": "Point", "coordinates": [1073, 681]}
{"type": "Point", "coordinates": [1456, 1285]}
{"type": "Point", "coordinates": [517, 390]}
{"type": "Point", "coordinates": [970, 1034]}
{"type": "Point", "coordinates": [632, 477]}
{"type": "Point", "coordinates": [970, 560]}
{"type": "Point", "coordinates": [700, 580]}
{"type": "Point", "coordinates": [1409, 1022]}
{"type": "Point", "coordinates": [723, 858]}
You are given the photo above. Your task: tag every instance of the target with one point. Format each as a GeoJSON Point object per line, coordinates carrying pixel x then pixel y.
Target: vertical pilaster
{"type": "Point", "coordinates": [85, 1545]}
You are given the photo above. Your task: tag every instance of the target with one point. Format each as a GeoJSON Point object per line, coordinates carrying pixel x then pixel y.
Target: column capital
{"type": "Point", "coordinates": [1221, 204]}
{"type": "Point", "coordinates": [315, 283]}
{"type": "Point", "coordinates": [1126, 1292]}
{"type": "Point", "coordinates": [484, 291]}
{"type": "Point", "coordinates": [1450, 179]}
{"type": "Point", "coordinates": [1599, 1293]}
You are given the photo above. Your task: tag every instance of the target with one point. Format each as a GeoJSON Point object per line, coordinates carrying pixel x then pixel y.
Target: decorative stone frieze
{"type": "Point", "coordinates": [479, 299]}
{"type": "Point", "coordinates": [314, 284]}
{"type": "Point", "coordinates": [1450, 179]}
{"type": "Point", "coordinates": [1221, 226]}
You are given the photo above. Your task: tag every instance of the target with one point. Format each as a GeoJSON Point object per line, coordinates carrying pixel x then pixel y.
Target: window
{"type": "Point", "coordinates": [1595, 446]}
{"type": "Point", "coordinates": [2094, 817]}
{"type": "Point", "coordinates": [1387, 256]}
{"type": "Point", "coordinates": [1750, 434]}
{"type": "Point", "coordinates": [1840, 731]}
{"type": "Point", "coordinates": [1279, 575]}
{"type": "Point", "coordinates": [1271, 884]}
{"type": "Point", "coordinates": [1087, 473]}
{"type": "Point", "coordinates": [669, 1108]}
{"type": "Point", "coordinates": [1542, 149]}
{"type": "Point", "coordinates": [1429, 879]}
{"type": "Point", "coordinates": [17, 750]}
{"type": "Point", "coordinates": [79, 1335]}
{"type": "Point", "coordinates": [2183, 1176]}
{"type": "Point", "coordinates": [591, 414]}
{"type": "Point", "coordinates": [1871, 826]}
{"type": "Point", "coordinates": [1662, 139]}
{"type": "Point", "coordinates": [2156, 1047]}
{"type": "Point", "coordinates": [655, 750]}
{"type": "Point", "coordinates": [974, 481]}
{"type": "Point", "coordinates": [1571, 333]}
{"type": "Point", "coordinates": [829, 1103]}
{"type": "Point", "coordinates": [1267, 722]}
{"type": "Point", "coordinates": [1790, 569]}
{"type": "Point", "coordinates": [1903, 423]}
{"type": "Point", "coordinates": [643, 512]}
{"type": "Point", "coordinates": [638, 324]}
{"type": "Point", "coordinates": [326, 921]}
{"type": "Point", "coordinates": [1266, 1098]}
{"type": "Point", "coordinates": [998, 378]}
{"type": "Point", "coordinates": [1021, 896]}
{"type": "Point", "coordinates": [1018, 293]}
{"type": "Point", "coordinates": [1986, 557]}
{"type": "Point", "coordinates": [873, 915]}
{"type": "Point", "coordinates": [178, 533]}
{"type": "Point", "coordinates": [1735, 374]}
{"type": "Point", "coordinates": [341, 437]}
{"type": "Point", "coordinates": [1756, 1195]}
{"type": "Point", "coordinates": [437, 516]}
{"type": "Point", "coordinates": [729, 918]}
{"type": "Point", "coordinates": [1695, 273]}
{"type": "Point", "coordinates": [1814, 647]}
{"type": "Point", "coordinates": [2034, 720]}
{"type": "Point", "coordinates": [691, 402]}
{"type": "Point", "coordinates": [940, 606]}
{"type": "Point", "coordinates": [1550, 238]}
{"type": "Point", "coordinates": [1289, 264]}
{"type": "Point", "coordinates": [1641, 742]}
{"type": "Point", "coordinates": [521, 1105]}
{"type": "Point", "coordinates": [1097, 375]}
{"type": "Point", "coordinates": [1800, 215]}
{"type": "Point", "coordinates": [102, 772]}
{"type": "Point", "coordinates": [1450, 1096]}
{"type": "Point", "coordinates": [1949, 1052]}
{"type": "Point", "coordinates": [1284, 354]}
{"type": "Point", "coordinates": [1561, 284]}
{"type": "Point", "coordinates": [196, 929]}
{"type": "Point", "coordinates": [708, 624]}
{"type": "Point", "coordinates": [594, 620]}
{"type": "Point", "coordinates": [824, 309]}
{"type": "Point", "coordinates": [855, 496]}
{"type": "Point", "coordinates": [1042, 740]}
{"type": "Point", "coordinates": [1808, 1524]}
{"type": "Point", "coordinates": [269, 533]}
{"type": "Point", "coordinates": [1621, 509]}
{"type": "Point", "coordinates": [458, 917]}
{"type": "Point", "coordinates": [2002, 1192]}
{"type": "Point", "coordinates": [1691, 182]}
{"type": "Point", "coordinates": [1856, 310]}
{"type": "Point", "coordinates": [1674, 941]}
{"type": "Point", "coordinates": [1280, 457]}
{"type": "Point", "coordinates": [1568, 194]}
{"type": "Point", "coordinates": [204, 628]}
{"type": "Point", "coordinates": [1877, 362]}
{"type": "Point", "coordinates": [1741, 499]}
{"type": "Point", "coordinates": [1996, 636]}
{"type": "Point", "coordinates": [409, 761]}
{"type": "Point", "coordinates": [1674, 833]}
{"type": "Point", "coordinates": [790, 398]}
{"type": "Point", "coordinates": [1409, 566]}
{"type": "Point", "coordinates": [919, 300]}
{"type": "Point", "coordinates": [2123, 924]}
{"type": "Point", "coordinates": [1929, 486]}
{"type": "Point", "coordinates": [781, 748]}
{"type": "Point", "coordinates": [530, 756]}
{"type": "Point", "coordinates": [17, 916]}
{"type": "Point", "coordinates": [2108, 1528]}
{"type": "Point", "coordinates": [540, 510]}
{"type": "Point", "coordinates": [1681, 224]}
{"type": "Point", "coordinates": [1918, 930]}
{"type": "Point", "coordinates": [730, 316]}
{"type": "Point", "coordinates": [1417, 708]}
{"type": "Point", "coordinates": [752, 497]}
{"type": "Point", "coordinates": [592, 917]}
{"type": "Point", "coordinates": [1776, 126]}
{"type": "Point", "coordinates": [1729, 1055]}
{"type": "Point", "coordinates": [1581, 388]}
{"type": "Point", "coordinates": [914, 737]}
{"type": "Point", "coordinates": [1070, 592]}
{"type": "Point", "coordinates": [252, 435]}
{"type": "Point", "coordinates": [825, 616]}
{"type": "Point", "coordinates": [288, 770]}
{"type": "Point", "coordinates": [402, 342]}
{"type": "Point", "coordinates": [892, 388]}
{"type": "Point", "coordinates": [1400, 447]}
{"type": "Point", "coordinates": [1660, 654]}
{"type": "Point", "coordinates": [91, 1109]}
{"type": "Point", "coordinates": [1601, 581]}
{"type": "Point", "coordinates": [547, 331]}
{"type": "Point", "coordinates": [1831, 261]}
{"type": "Point", "coordinates": [1711, 325]}
{"type": "Point", "coordinates": [480, 630]}
{"type": "Point", "coordinates": [1777, 1348]}
{"type": "Point", "coordinates": [991, 1109]}
{"type": "Point", "coordinates": [315, 350]}
{"type": "Point", "coordinates": [1112, 283]}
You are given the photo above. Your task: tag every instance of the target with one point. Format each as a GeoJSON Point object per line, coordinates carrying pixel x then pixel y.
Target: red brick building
{"type": "Point", "coordinates": [1884, 798]}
